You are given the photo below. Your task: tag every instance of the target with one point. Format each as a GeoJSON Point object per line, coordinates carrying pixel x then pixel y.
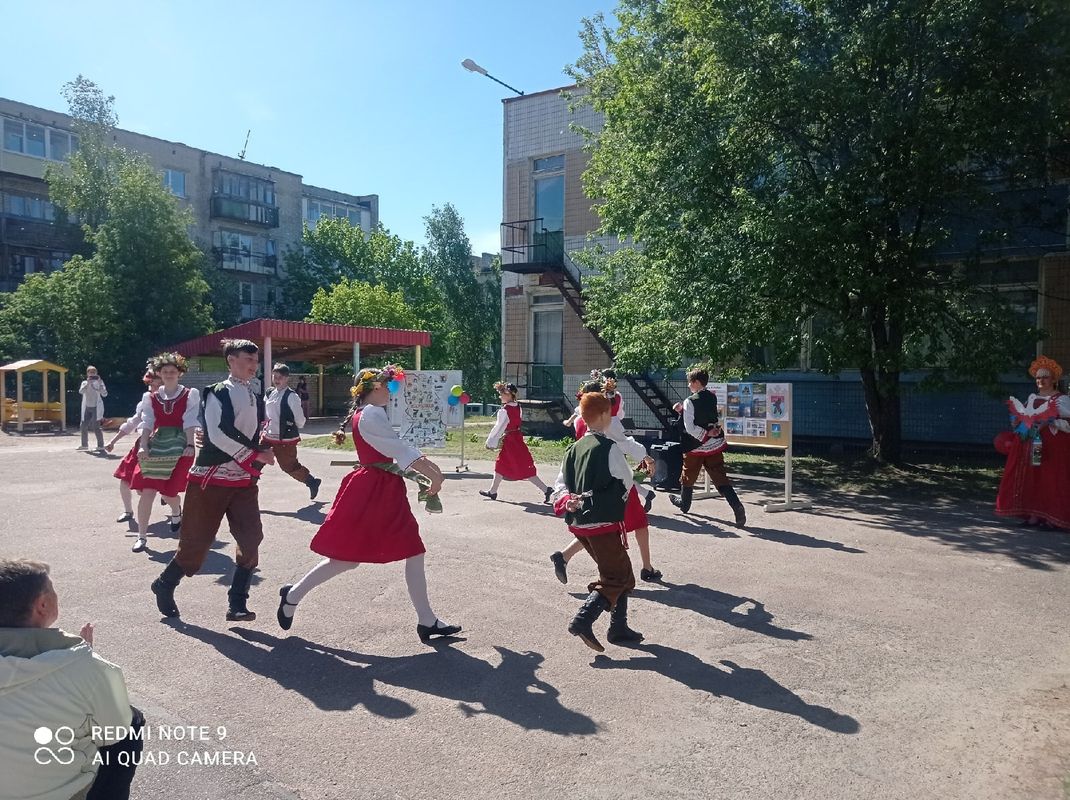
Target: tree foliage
{"type": "Point", "coordinates": [354, 302]}
{"type": "Point", "coordinates": [784, 166]}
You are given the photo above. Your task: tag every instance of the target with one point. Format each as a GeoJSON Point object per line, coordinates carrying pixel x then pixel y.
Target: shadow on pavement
{"type": "Point", "coordinates": [750, 686]}
{"type": "Point", "coordinates": [313, 512]}
{"type": "Point", "coordinates": [719, 606]}
{"type": "Point", "coordinates": [216, 563]}
{"type": "Point", "coordinates": [799, 539]}
{"type": "Point", "coordinates": [338, 680]}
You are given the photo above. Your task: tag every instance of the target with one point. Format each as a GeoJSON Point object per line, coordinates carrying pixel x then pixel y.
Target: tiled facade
{"type": "Point", "coordinates": [1036, 277]}
{"type": "Point", "coordinates": [245, 215]}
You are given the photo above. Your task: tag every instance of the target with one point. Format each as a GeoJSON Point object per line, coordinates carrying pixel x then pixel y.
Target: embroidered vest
{"type": "Point", "coordinates": [586, 469]}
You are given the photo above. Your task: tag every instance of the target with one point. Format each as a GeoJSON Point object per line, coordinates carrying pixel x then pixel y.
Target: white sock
{"type": "Point", "coordinates": [496, 483]}
{"type": "Point", "coordinates": [321, 573]}
{"type": "Point", "coordinates": [416, 581]}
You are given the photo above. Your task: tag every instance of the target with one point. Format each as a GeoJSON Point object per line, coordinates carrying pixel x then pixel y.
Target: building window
{"type": "Point", "coordinates": [549, 193]}
{"type": "Point", "coordinates": [246, 293]}
{"type": "Point", "coordinates": [549, 164]}
{"type": "Point", "coordinates": [29, 207]}
{"type": "Point", "coordinates": [37, 140]}
{"type": "Point", "coordinates": [175, 180]}
{"type": "Point", "coordinates": [357, 216]}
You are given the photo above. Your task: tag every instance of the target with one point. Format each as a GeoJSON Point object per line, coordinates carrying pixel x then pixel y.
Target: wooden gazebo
{"type": "Point", "coordinates": [35, 414]}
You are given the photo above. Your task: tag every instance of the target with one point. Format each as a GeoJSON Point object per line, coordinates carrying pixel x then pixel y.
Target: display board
{"type": "Point", "coordinates": [755, 413]}
{"type": "Point", "coordinates": [420, 409]}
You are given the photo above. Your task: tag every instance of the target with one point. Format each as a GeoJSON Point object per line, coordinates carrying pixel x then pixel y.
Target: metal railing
{"type": "Point", "coordinates": [537, 381]}
{"type": "Point", "coordinates": [528, 247]}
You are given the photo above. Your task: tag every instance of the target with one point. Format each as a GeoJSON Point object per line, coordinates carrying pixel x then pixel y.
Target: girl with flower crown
{"type": "Point", "coordinates": [168, 424]}
{"type": "Point", "coordinates": [514, 462]}
{"type": "Point", "coordinates": [1036, 478]}
{"type": "Point", "coordinates": [370, 520]}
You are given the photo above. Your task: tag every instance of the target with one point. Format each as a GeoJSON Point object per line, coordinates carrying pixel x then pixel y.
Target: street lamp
{"type": "Point", "coordinates": [472, 66]}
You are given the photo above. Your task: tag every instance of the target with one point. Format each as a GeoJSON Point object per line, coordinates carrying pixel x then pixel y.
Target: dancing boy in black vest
{"type": "Point", "coordinates": [701, 423]}
{"type": "Point", "coordinates": [285, 418]}
{"type": "Point", "coordinates": [591, 492]}
{"type": "Point", "coordinates": [223, 482]}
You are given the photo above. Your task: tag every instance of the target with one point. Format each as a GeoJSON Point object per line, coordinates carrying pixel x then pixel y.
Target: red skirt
{"type": "Point", "coordinates": [634, 513]}
{"type": "Point", "coordinates": [514, 461]}
{"type": "Point", "coordinates": [1044, 492]}
{"type": "Point", "coordinates": [370, 520]}
{"type": "Point", "coordinates": [170, 487]}
{"type": "Point", "coordinates": [127, 467]}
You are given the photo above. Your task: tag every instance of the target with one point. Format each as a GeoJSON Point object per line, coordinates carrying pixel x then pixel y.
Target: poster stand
{"type": "Point", "coordinates": [462, 467]}
{"type": "Point", "coordinates": [759, 412]}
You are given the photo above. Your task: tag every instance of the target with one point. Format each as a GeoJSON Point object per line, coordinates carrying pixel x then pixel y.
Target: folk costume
{"type": "Point", "coordinates": [514, 462]}
{"type": "Point", "coordinates": [223, 482]}
{"type": "Point", "coordinates": [129, 466]}
{"type": "Point", "coordinates": [370, 520]}
{"type": "Point", "coordinates": [701, 422]}
{"type": "Point", "coordinates": [596, 472]}
{"type": "Point", "coordinates": [1036, 479]}
{"type": "Point", "coordinates": [285, 418]}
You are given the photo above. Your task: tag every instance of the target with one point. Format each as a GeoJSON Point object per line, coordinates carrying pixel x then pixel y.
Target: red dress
{"type": "Point", "coordinates": [1044, 492]}
{"type": "Point", "coordinates": [128, 466]}
{"type": "Point", "coordinates": [169, 414]}
{"type": "Point", "coordinates": [634, 513]}
{"type": "Point", "coordinates": [514, 461]}
{"type": "Point", "coordinates": [370, 520]}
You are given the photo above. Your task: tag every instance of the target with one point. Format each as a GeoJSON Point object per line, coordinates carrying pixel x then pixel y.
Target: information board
{"type": "Point", "coordinates": [755, 413]}
{"type": "Point", "coordinates": [420, 409]}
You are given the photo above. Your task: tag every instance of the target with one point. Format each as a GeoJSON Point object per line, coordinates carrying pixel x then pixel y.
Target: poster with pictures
{"type": "Point", "coordinates": [420, 409]}
{"type": "Point", "coordinates": [755, 411]}
{"type": "Point", "coordinates": [779, 407]}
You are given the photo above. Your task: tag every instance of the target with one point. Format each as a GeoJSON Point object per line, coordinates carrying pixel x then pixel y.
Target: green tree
{"type": "Point", "coordinates": [782, 164]}
{"type": "Point", "coordinates": [472, 309]}
{"type": "Point", "coordinates": [354, 302]}
{"type": "Point", "coordinates": [142, 288]}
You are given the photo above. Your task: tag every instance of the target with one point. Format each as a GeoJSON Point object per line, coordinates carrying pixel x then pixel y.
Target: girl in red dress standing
{"type": "Point", "coordinates": [514, 462]}
{"type": "Point", "coordinates": [1036, 480]}
{"type": "Point", "coordinates": [165, 453]}
{"type": "Point", "coordinates": [370, 520]}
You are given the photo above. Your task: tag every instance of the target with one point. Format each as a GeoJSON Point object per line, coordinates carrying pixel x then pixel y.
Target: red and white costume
{"type": "Point", "coordinates": [158, 411]}
{"type": "Point", "coordinates": [514, 462]}
{"type": "Point", "coordinates": [1040, 492]}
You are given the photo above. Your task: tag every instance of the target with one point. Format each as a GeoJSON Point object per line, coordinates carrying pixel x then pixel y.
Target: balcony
{"type": "Point", "coordinates": [241, 260]}
{"type": "Point", "coordinates": [244, 210]}
{"type": "Point", "coordinates": [528, 248]}
{"type": "Point", "coordinates": [537, 381]}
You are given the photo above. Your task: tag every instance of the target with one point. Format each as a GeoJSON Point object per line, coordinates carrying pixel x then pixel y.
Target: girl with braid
{"type": "Point", "coordinates": [370, 520]}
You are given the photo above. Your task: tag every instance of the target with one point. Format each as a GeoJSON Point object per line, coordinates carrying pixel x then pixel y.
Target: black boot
{"type": "Point", "coordinates": [582, 624]}
{"type": "Point", "coordinates": [313, 485]}
{"type": "Point", "coordinates": [238, 594]}
{"type": "Point", "coordinates": [683, 502]}
{"type": "Point", "coordinates": [619, 632]}
{"type": "Point", "coordinates": [729, 494]}
{"type": "Point", "coordinates": [164, 589]}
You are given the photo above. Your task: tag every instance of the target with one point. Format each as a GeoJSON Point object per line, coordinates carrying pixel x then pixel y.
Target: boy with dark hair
{"type": "Point", "coordinates": [701, 423]}
{"type": "Point", "coordinates": [223, 482]}
{"type": "Point", "coordinates": [285, 418]}
{"type": "Point", "coordinates": [591, 492]}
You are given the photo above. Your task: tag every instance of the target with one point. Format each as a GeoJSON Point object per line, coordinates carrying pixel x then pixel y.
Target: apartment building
{"type": "Point", "coordinates": [548, 351]}
{"type": "Point", "coordinates": [245, 215]}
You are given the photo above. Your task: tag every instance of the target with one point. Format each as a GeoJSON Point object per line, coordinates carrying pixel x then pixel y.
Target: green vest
{"type": "Point", "coordinates": [705, 404]}
{"type": "Point", "coordinates": [586, 469]}
{"type": "Point", "coordinates": [210, 455]}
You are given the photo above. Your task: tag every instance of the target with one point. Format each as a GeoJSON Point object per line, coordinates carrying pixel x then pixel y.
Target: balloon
{"type": "Point", "coordinates": [456, 391]}
{"type": "Point", "coordinates": [465, 398]}
{"type": "Point", "coordinates": [452, 400]}
{"type": "Point", "coordinates": [1004, 442]}
{"type": "Point", "coordinates": [393, 386]}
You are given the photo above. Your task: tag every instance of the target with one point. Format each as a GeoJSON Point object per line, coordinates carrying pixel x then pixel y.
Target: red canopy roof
{"type": "Point", "coordinates": [307, 341]}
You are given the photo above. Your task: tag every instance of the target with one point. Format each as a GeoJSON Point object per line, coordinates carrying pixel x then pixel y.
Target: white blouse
{"type": "Point", "coordinates": [189, 418]}
{"type": "Point", "coordinates": [501, 422]}
{"type": "Point", "coordinates": [133, 422]}
{"type": "Point", "coordinates": [374, 427]}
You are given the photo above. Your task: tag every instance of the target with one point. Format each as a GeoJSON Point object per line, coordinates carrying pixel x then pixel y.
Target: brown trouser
{"type": "Point", "coordinates": [615, 576]}
{"type": "Point", "coordinates": [286, 458]}
{"type": "Point", "coordinates": [204, 511]}
{"type": "Point", "coordinates": [713, 463]}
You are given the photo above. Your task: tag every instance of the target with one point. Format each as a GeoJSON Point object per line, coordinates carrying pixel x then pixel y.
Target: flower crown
{"type": "Point", "coordinates": [368, 379]}
{"type": "Point", "coordinates": [1050, 364]}
{"type": "Point", "coordinates": [176, 360]}
{"type": "Point", "coordinates": [502, 386]}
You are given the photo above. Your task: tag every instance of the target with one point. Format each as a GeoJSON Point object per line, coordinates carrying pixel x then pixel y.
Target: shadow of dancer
{"type": "Point", "coordinates": [799, 539]}
{"type": "Point", "coordinates": [750, 686]}
{"type": "Point", "coordinates": [336, 679]}
{"type": "Point", "coordinates": [313, 513]}
{"type": "Point", "coordinates": [720, 606]}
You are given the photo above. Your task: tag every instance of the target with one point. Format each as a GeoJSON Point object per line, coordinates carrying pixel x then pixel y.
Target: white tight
{"type": "Point", "coordinates": [415, 580]}
{"type": "Point", "coordinates": [498, 482]}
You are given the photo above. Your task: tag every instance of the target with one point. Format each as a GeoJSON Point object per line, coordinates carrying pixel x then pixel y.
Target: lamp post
{"type": "Point", "coordinates": [472, 66]}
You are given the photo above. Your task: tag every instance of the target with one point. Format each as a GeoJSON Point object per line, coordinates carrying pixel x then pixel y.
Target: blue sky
{"type": "Point", "coordinates": [362, 97]}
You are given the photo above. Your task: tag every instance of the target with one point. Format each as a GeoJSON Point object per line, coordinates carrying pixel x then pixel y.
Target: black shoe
{"type": "Point", "coordinates": [165, 597]}
{"type": "Point", "coordinates": [560, 566]}
{"type": "Point", "coordinates": [491, 495]}
{"type": "Point", "coordinates": [619, 632]}
{"type": "Point", "coordinates": [425, 632]}
{"type": "Point", "coordinates": [650, 575]}
{"type": "Point", "coordinates": [683, 501]}
{"type": "Point", "coordinates": [649, 502]}
{"type": "Point", "coordinates": [128, 516]}
{"type": "Point", "coordinates": [240, 614]}
{"type": "Point", "coordinates": [729, 494]}
{"type": "Point", "coordinates": [284, 621]}
{"type": "Point", "coordinates": [741, 517]}
{"type": "Point", "coordinates": [238, 595]}
{"type": "Point", "coordinates": [313, 485]}
{"type": "Point", "coordinates": [582, 624]}
{"type": "Point", "coordinates": [175, 522]}
{"type": "Point", "coordinates": [548, 494]}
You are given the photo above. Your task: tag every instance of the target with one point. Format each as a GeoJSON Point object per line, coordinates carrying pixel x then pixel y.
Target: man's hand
{"type": "Point", "coordinates": [678, 408]}
{"type": "Point", "coordinates": [109, 446]}
{"type": "Point", "coordinates": [574, 504]}
{"type": "Point", "coordinates": [87, 633]}
{"type": "Point", "coordinates": [266, 457]}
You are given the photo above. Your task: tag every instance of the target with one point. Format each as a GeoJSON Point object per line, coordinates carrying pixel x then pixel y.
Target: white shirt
{"type": "Point", "coordinates": [246, 421]}
{"type": "Point", "coordinates": [500, 424]}
{"type": "Point", "coordinates": [375, 429]}
{"type": "Point", "coordinates": [709, 443]}
{"type": "Point", "coordinates": [1063, 404]}
{"type": "Point", "coordinates": [133, 422]}
{"type": "Point", "coordinates": [93, 395]}
{"type": "Point", "coordinates": [189, 416]}
{"type": "Point", "coordinates": [273, 409]}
